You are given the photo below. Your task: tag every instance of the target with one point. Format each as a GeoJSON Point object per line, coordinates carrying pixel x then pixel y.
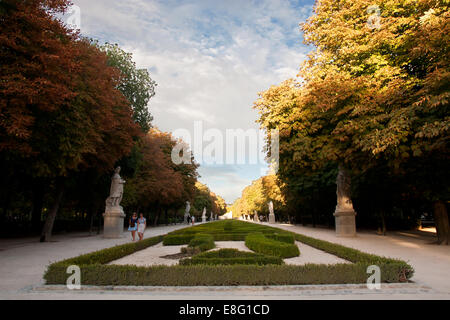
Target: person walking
{"type": "Point", "coordinates": [142, 224]}
{"type": "Point", "coordinates": [133, 224]}
{"type": "Point", "coordinates": [193, 220]}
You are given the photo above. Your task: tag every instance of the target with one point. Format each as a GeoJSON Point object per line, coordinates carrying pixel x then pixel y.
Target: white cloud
{"type": "Point", "coordinates": [209, 58]}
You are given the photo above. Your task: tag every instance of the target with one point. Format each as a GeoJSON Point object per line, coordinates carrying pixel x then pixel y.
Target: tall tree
{"type": "Point", "coordinates": [368, 93]}
{"type": "Point", "coordinates": [135, 84]}
{"type": "Point", "coordinates": [60, 109]}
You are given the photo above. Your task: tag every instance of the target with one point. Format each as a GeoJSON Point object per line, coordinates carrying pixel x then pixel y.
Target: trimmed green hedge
{"type": "Point", "coordinates": [203, 242]}
{"type": "Point", "coordinates": [261, 244]}
{"type": "Point", "coordinates": [177, 239]}
{"type": "Point", "coordinates": [283, 237]}
{"type": "Point", "coordinates": [228, 226]}
{"type": "Point", "coordinates": [95, 271]}
{"type": "Point", "coordinates": [110, 254]}
{"type": "Point", "coordinates": [230, 257]}
{"type": "Point", "coordinates": [220, 275]}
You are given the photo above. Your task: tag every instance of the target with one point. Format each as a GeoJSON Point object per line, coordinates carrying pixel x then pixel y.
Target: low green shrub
{"type": "Point", "coordinates": [282, 237]}
{"type": "Point", "coordinates": [261, 244]}
{"type": "Point", "coordinates": [95, 271]}
{"type": "Point", "coordinates": [221, 275]}
{"type": "Point", "coordinates": [228, 226]}
{"type": "Point", "coordinates": [352, 255]}
{"type": "Point", "coordinates": [190, 250]}
{"type": "Point", "coordinates": [203, 242]}
{"type": "Point", "coordinates": [231, 257]}
{"type": "Point", "coordinates": [177, 239]}
{"type": "Point", "coordinates": [110, 254]}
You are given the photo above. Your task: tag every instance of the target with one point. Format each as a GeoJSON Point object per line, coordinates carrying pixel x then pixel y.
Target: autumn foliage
{"type": "Point", "coordinates": [373, 97]}
{"type": "Point", "coordinates": [70, 111]}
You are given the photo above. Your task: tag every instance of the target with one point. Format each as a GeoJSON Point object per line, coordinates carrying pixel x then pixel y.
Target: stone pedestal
{"type": "Point", "coordinates": [186, 216]}
{"type": "Point", "coordinates": [272, 218]}
{"type": "Point", "coordinates": [345, 223]}
{"type": "Point", "coordinates": [113, 222]}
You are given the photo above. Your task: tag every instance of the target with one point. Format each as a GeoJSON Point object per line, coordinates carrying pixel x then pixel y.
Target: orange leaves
{"type": "Point", "coordinates": [58, 97]}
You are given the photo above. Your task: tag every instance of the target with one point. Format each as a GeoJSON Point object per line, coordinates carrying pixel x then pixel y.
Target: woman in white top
{"type": "Point", "coordinates": [142, 224]}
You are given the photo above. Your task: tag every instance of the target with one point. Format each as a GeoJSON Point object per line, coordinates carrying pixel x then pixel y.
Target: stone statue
{"type": "Point", "coordinates": [113, 218]}
{"type": "Point", "coordinates": [271, 214]}
{"type": "Point", "coordinates": [271, 207]}
{"type": "Point", "coordinates": [116, 191]}
{"type": "Point", "coordinates": [255, 216]}
{"type": "Point", "coordinates": [344, 213]}
{"type": "Point", "coordinates": [343, 190]}
{"type": "Point", "coordinates": [204, 215]}
{"type": "Point", "coordinates": [186, 211]}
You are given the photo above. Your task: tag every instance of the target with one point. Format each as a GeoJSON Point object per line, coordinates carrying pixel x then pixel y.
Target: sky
{"type": "Point", "coordinates": [209, 60]}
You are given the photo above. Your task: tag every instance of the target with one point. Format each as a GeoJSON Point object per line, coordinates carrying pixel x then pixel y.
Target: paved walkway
{"type": "Point", "coordinates": [430, 262]}
{"type": "Point", "coordinates": [23, 262]}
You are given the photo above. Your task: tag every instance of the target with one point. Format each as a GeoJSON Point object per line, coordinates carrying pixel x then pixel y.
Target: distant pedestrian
{"type": "Point", "coordinates": [133, 222]}
{"type": "Point", "coordinates": [193, 220]}
{"type": "Point", "coordinates": [142, 224]}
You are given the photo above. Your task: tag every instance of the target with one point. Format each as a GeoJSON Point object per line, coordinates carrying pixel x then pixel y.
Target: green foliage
{"type": "Point", "coordinates": [202, 241]}
{"type": "Point", "coordinates": [261, 244]}
{"type": "Point", "coordinates": [95, 272]}
{"type": "Point", "coordinates": [135, 84]}
{"type": "Point", "coordinates": [231, 257]}
{"type": "Point", "coordinates": [228, 226]}
{"type": "Point", "coordinates": [110, 254]}
{"type": "Point", "coordinates": [282, 237]}
{"type": "Point", "coordinates": [177, 239]}
{"type": "Point", "coordinates": [222, 275]}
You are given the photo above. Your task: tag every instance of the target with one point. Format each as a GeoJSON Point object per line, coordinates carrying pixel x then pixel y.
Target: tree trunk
{"type": "Point", "coordinates": [442, 224]}
{"type": "Point", "coordinates": [166, 216]}
{"type": "Point", "coordinates": [383, 221]}
{"type": "Point", "coordinates": [50, 220]}
{"type": "Point", "coordinates": [99, 222]}
{"type": "Point", "coordinates": [158, 213]}
{"type": "Point", "coordinates": [36, 211]}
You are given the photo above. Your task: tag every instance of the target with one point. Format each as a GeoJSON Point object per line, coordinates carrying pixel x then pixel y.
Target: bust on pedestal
{"type": "Point", "coordinates": [271, 213]}
{"type": "Point", "coordinates": [344, 214]}
{"type": "Point", "coordinates": [114, 215]}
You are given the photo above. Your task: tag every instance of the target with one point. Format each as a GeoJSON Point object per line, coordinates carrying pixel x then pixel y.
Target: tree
{"type": "Point", "coordinates": [135, 84]}
{"type": "Point", "coordinates": [60, 109]}
{"type": "Point", "coordinates": [367, 95]}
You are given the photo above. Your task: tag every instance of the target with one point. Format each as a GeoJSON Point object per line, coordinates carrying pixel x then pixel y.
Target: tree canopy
{"type": "Point", "coordinates": [370, 96]}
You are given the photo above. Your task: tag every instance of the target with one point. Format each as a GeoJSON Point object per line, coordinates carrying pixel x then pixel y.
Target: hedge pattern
{"type": "Point", "coordinates": [231, 257]}
{"type": "Point", "coordinates": [261, 244]}
{"type": "Point", "coordinates": [221, 275]}
{"type": "Point", "coordinates": [203, 242]}
{"type": "Point", "coordinates": [95, 271]}
{"type": "Point", "coordinates": [283, 237]}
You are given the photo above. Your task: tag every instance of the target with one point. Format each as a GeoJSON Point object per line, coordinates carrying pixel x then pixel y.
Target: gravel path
{"type": "Point", "coordinates": [309, 254]}
{"type": "Point", "coordinates": [23, 262]}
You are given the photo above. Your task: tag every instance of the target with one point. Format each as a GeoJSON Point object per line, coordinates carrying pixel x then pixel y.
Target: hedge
{"type": "Point", "coordinates": [180, 239]}
{"type": "Point", "coordinates": [203, 242]}
{"type": "Point", "coordinates": [261, 244]}
{"type": "Point", "coordinates": [177, 239]}
{"type": "Point", "coordinates": [231, 257]}
{"type": "Point", "coordinates": [95, 271]}
{"type": "Point", "coordinates": [283, 237]}
{"type": "Point", "coordinates": [110, 254]}
{"type": "Point", "coordinates": [221, 275]}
